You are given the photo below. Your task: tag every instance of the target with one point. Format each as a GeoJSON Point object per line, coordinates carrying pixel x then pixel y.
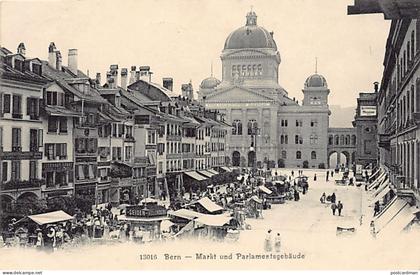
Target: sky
{"type": "Point", "coordinates": [182, 38]}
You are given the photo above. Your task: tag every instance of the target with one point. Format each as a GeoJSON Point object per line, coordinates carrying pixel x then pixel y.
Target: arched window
{"type": "Point", "coordinates": [252, 127]}
{"type": "Point", "coordinates": [281, 139]}
{"type": "Point", "coordinates": [348, 140]}
{"type": "Point", "coordinates": [313, 139]}
{"type": "Point", "coordinates": [254, 70]}
{"type": "Point", "coordinates": [353, 139]}
{"type": "Point", "coordinates": [286, 139]}
{"type": "Point", "coordinates": [313, 155]}
{"type": "Point", "coordinates": [342, 139]}
{"type": "Point", "coordinates": [337, 140]}
{"type": "Point", "coordinates": [259, 69]}
{"type": "Point", "coordinates": [412, 44]}
{"type": "Point", "coordinates": [283, 154]}
{"type": "Point", "coordinates": [330, 140]}
{"type": "Point", "coordinates": [248, 73]}
{"type": "Point", "coordinates": [237, 127]}
{"type": "Point", "coordinates": [233, 70]}
{"type": "Point", "coordinates": [296, 139]}
{"type": "Point", "coordinates": [298, 154]}
{"type": "Point", "coordinates": [243, 70]}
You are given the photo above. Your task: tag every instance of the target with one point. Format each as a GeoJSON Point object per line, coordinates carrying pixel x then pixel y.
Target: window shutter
{"type": "Point", "coordinates": [1, 104]}
{"type": "Point", "coordinates": [28, 105]}
{"type": "Point", "coordinates": [40, 138]}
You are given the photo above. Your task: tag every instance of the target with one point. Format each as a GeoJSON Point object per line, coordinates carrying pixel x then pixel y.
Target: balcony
{"type": "Point", "coordinates": [22, 184]}
{"type": "Point", "coordinates": [17, 115]}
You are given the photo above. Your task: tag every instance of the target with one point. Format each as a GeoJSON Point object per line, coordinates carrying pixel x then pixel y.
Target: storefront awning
{"type": "Point", "coordinates": [392, 210]}
{"type": "Point", "coordinates": [227, 169]}
{"type": "Point", "coordinates": [377, 182]}
{"type": "Point", "coordinates": [195, 175]}
{"type": "Point", "coordinates": [381, 195]}
{"type": "Point", "coordinates": [214, 172]}
{"type": "Point", "coordinates": [50, 217]}
{"type": "Point", "coordinates": [265, 189]}
{"type": "Point", "coordinates": [404, 217]}
{"type": "Point", "coordinates": [208, 204]}
{"type": "Point", "coordinates": [206, 173]}
{"type": "Point", "coordinates": [374, 174]}
{"type": "Point", "coordinates": [185, 214]}
{"type": "Point", "coordinates": [214, 220]}
{"type": "Point", "coordinates": [381, 188]}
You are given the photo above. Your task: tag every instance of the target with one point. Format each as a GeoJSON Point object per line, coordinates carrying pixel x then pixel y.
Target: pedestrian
{"type": "Point", "coordinates": [293, 173]}
{"type": "Point", "coordinates": [277, 243]}
{"type": "Point", "coordinates": [332, 174]}
{"type": "Point", "coordinates": [268, 246]}
{"type": "Point", "coordinates": [315, 177]}
{"type": "Point", "coordinates": [323, 197]}
{"type": "Point", "coordinates": [366, 187]}
{"type": "Point", "coordinates": [339, 207]}
{"type": "Point", "coordinates": [376, 208]}
{"type": "Point", "coordinates": [333, 208]}
{"type": "Point", "coordinates": [372, 229]}
{"type": "Point", "coordinates": [333, 198]}
{"type": "Point", "coordinates": [328, 174]}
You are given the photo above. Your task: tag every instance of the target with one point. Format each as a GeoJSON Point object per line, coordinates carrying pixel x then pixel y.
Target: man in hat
{"type": "Point", "coordinates": [268, 246]}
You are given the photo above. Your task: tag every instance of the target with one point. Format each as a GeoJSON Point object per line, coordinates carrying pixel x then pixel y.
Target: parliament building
{"type": "Point", "coordinates": [267, 125]}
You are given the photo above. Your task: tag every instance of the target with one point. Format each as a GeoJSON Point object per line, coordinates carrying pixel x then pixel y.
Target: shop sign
{"type": "Point", "coordinates": [145, 211]}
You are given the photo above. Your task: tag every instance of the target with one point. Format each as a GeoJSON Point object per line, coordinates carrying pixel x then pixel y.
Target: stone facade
{"type": "Point", "coordinates": [268, 126]}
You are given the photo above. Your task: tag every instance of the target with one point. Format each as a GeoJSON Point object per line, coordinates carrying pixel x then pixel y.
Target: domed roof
{"type": "Point", "coordinates": [250, 36]}
{"type": "Point", "coordinates": [210, 83]}
{"type": "Point", "coordinates": [315, 81]}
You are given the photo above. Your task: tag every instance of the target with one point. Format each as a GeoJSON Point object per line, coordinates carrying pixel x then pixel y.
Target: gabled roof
{"type": "Point", "coordinates": [64, 80]}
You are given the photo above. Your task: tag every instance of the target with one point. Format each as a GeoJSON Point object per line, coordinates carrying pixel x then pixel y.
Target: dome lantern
{"type": "Point", "coordinates": [251, 18]}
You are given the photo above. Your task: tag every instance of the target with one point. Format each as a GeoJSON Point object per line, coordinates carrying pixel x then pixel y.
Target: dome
{"type": "Point", "coordinates": [315, 81]}
{"type": "Point", "coordinates": [209, 83]}
{"type": "Point", "coordinates": [250, 36]}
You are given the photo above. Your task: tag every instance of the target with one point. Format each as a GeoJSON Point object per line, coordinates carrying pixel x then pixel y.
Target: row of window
{"type": "Point", "coordinates": [299, 123]}
{"type": "Point", "coordinates": [247, 70]}
{"type": "Point", "coordinates": [13, 104]}
{"type": "Point", "coordinates": [342, 140]}
{"type": "Point", "coordinates": [298, 155]}
{"type": "Point", "coordinates": [15, 170]}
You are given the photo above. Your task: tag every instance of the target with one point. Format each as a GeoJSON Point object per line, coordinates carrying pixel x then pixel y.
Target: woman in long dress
{"type": "Point", "coordinates": [277, 243]}
{"type": "Point", "coordinates": [268, 246]}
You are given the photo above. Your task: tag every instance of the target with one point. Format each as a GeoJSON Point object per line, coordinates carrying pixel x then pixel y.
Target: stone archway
{"type": "Point", "coordinates": [6, 203]}
{"type": "Point", "coordinates": [28, 203]}
{"type": "Point", "coordinates": [347, 162]}
{"type": "Point", "coordinates": [336, 158]}
{"type": "Point", "coordinates": [236, 158]}
{"type": "Point", "coordinates": [252, 159]}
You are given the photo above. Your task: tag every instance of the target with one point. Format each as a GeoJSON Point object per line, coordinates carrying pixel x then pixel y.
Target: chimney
{"type": "Point", "coordinates": [132, 75]}
{"type": "Point", "coordinates": [59, 60]}
{"type": "Point", "coordinates": [72, 61]}
{"type": "Point", "coordinates": [124, 73]}
{"type": "Point", "coordinates": [137, 76]}
{"type": "Point", "coordinates": [114, 75]}
{"type": "Point", "coordinates": [376, 86]}
{"type": "Point", "coordinates": [98, 79]}
{"type": "Point", "coordinates": [145, 73]}
{"type": "Point", "coordinates": [109, 79]}
{"type": "Point", "coordinates": [187, 91]}
{"type": "Point", "coordinates": [52, 56]}
{"type": "Point", "coordinates": [168, 83]}
{"type": "Point", "coordinates": [21, 49]}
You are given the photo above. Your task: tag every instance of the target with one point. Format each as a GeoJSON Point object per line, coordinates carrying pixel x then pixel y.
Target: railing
{"type": "Point", "coordinates": [16, 115]}
{"type": "Point", "coordinates": [22, 184]}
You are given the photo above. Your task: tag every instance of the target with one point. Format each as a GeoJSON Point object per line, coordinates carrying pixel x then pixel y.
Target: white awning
{"type": "Point", "coordinates": [214, 220]}
{"type": "Point", "coordinates": [206, 173]}
{"type": "Point", "coordinates": [404, 217]}
{"type": "Point", "coordinates": [227, 169]}
{"type": "Point", "coordinates": [377, 182]}
{"type": "Point", "coordinates": [374, 174]}
{"type": "Point", "coordinates": [214, 172]}
{"type": "Point", "coordinates": [185, 214]}
{"type": "Point", "coordinates": [381, 195]}
{"type": "Point", "coordinates": [265, 189]}
{"type": "Point", "coordinates": [208, 204]}
{"type": "Point", "coordinates": [51, 217]}
{"type": "Point", "coordinates": [385, 217]}
{"type": "Point", "coordinates": [256, 199]}
{"type": "Point", "coordinates": [195, 175]}
{"type": "Point", "coordinates": [381, 187]}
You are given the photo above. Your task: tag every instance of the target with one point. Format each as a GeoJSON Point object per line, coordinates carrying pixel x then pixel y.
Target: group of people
{"type": "Point", "coordinates": [335, 207]}
{"type": "Point", "coordinates": [328, 174]}
{"type": "Point", "coordinates": [268, 242]}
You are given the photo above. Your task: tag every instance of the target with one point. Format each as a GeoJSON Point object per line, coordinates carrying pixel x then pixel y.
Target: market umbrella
{"type": "Point", "coordinates": [123, 206]}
